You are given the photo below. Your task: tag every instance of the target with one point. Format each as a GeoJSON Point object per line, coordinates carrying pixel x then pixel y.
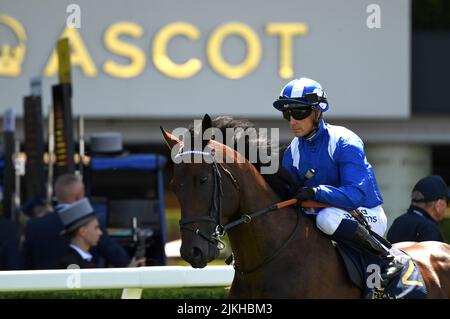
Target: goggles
{"type": "Point", "coordinates": [297, 111]}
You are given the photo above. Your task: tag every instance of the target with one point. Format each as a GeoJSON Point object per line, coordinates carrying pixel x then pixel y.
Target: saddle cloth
{"type": "Point", "coordinates": [364, 270]}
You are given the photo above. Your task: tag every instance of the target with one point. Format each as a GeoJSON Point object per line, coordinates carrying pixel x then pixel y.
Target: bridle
{"type": "Point", "coordinates": [215, 213]}
{"type": "Point", "coordinates": [215, 210]}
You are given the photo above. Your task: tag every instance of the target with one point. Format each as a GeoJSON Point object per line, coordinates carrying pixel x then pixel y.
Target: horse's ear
{"type": "Point", "coordinates": [171, 140]}
{"type": "Point", "coordinates": [206, 123]}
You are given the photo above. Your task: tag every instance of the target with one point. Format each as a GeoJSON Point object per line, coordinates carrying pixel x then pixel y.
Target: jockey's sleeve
{"type": "Point", "coordinates": [355, 180]}
{"type": "Point", "coordinates": [287, 162]}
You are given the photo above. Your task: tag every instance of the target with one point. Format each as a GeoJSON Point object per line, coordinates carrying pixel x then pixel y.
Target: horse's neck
{"type": "Point", "coordinates": [257, 241]}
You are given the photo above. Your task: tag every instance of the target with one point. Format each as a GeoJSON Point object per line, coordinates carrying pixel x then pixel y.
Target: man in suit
{"type": "Point", "coordinates": [43, 245]}
{"type": "Point", "coordinates": [9, 244]}
{"type": "Point", "coordinates": [81, 226]}
{"type": "Point", "coordinates": [429, 200]}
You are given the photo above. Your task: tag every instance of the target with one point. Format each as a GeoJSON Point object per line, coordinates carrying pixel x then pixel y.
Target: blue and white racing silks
{"type": "Point", "coordinates": [344, 178]}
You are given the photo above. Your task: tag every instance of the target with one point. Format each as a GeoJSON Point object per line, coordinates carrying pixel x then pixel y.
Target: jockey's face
{"type": "Point", "coordinates": [301, 128]}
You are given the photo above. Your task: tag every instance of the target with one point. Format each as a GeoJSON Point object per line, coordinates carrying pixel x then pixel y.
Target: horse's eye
{"type": "Point", "coordinates": [203, 179]}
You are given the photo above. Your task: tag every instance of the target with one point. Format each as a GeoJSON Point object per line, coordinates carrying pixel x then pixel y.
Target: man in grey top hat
{"type": "Point", "coordinates": [81, 225]}
{"type": "Point", "coordinates": [43, 247]}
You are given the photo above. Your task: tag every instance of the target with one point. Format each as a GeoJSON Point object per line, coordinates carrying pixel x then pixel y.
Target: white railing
{"type": "Point", "coordinates": [133, 280]}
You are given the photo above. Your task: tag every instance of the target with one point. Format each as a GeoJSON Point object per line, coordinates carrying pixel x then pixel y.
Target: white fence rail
{"type": "Point", "coordinates": [132, 279]}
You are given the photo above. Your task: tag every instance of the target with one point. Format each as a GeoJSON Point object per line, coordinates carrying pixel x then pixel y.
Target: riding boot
{"type": "Point", "coordinates": [363, 238]}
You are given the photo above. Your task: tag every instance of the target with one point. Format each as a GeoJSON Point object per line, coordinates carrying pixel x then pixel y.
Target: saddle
{"type": "Point", "coordinates": [364, 269]}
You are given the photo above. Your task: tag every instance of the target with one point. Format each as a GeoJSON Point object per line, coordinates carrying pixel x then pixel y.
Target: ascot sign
{"type": "Point", "coordinates": [80, 56]}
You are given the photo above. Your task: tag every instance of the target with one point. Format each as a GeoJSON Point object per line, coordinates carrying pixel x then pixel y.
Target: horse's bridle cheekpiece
{"type": "Point", "coordinates": [215, 211]}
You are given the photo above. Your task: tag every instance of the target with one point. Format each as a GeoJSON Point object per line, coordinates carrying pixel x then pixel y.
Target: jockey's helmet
{"type": "Point", "coordinates": [302, 91]}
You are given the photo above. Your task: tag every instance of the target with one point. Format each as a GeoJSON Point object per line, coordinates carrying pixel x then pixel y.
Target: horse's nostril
{"type": "Point", "coordinates": [196, 252]}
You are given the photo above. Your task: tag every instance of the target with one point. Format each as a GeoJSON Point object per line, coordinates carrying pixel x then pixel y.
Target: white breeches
{"type": "Point", "coordinates": [328, 219]}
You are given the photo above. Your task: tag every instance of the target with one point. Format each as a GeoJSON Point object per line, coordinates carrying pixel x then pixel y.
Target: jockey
{"type": "Point", "coordinates": [343, 177]}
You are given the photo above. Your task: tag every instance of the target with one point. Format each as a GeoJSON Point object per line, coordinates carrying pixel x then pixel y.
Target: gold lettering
{"type": "Point", "coordinates": [79, 55]}
{"type": "Point", "coordinates": [214, 51]}
{"type": "Point", "coordinates": [286, 31]}
{"type": "Point", "coordinates": [11, 57]}
{"type": "Point", "coordinates": [135, 54]}
{"type": "Point", "coordinates": [160, 59]}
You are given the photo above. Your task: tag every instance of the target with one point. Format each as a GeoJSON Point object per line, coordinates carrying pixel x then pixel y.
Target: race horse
{"type": "Point", "coordinates": [278, 254]}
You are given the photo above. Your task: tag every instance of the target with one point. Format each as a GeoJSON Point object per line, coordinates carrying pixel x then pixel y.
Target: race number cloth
{"type": "Point", "coordinates": [364, 269]}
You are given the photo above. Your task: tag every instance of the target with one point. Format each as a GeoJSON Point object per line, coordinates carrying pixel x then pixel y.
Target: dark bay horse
{"type": "Point", "coordinates": [280, 254]}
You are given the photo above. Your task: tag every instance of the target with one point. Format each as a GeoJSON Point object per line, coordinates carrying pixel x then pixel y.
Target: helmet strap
{"type": "Point", "coordinates": [317, 119]}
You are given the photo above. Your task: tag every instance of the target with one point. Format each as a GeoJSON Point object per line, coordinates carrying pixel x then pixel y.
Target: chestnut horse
{"type": "Point", "coordinates": [280, 254]}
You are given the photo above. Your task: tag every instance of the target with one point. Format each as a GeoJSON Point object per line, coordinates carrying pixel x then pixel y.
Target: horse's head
{"type": "Point", "coordinates": [208, 196]}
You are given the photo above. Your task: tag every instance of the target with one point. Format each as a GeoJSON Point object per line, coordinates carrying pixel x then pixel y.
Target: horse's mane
{"type": "Point", "coordinates": [282, 182]}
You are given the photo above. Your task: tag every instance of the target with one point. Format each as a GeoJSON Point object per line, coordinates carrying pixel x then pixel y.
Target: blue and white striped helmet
{"type": "Point", "coordinates": [303, 91]}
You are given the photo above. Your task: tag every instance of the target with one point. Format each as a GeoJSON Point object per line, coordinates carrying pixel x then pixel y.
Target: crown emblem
{"type": "Point", "coordinates": [11, 57]}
